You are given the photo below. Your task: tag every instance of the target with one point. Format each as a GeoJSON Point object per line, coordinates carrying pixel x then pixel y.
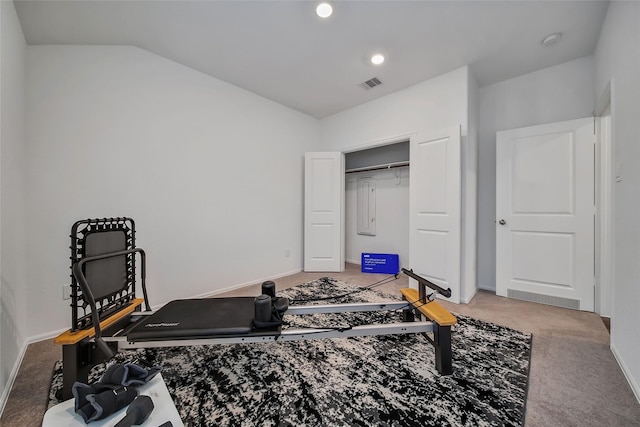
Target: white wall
{"type": "Point", "coordinates": [617, 60]}
{"type": "Point", "coordinates": [392, 216]}
{"type": "Point", "coordinates": [211, 173]}
{"type": "Point", "coordinates": [437, 103]}
{"type": "Point", "coordinates": [555, 94]}
{"type": "Point", "coordinates": [13, 289]}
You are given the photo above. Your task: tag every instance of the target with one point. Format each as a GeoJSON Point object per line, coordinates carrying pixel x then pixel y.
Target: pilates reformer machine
{"type": "Point", "coordinates": [107, 316]}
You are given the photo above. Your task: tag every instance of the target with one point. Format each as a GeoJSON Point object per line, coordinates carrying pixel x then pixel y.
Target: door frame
{"type": "Point", "coordinates": [468, 243]}
{"type": "Point", "coordinates": [604, 114]}
{"type": "Point", "coordinates": [375, 144]}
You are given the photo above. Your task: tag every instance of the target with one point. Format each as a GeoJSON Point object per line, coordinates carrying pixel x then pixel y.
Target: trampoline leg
{"type": "Point", "coordinates": [442, 343]}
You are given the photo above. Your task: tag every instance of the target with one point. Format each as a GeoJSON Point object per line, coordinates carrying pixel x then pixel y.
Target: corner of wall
{"type": "Point", "coordinates": [617, 61]}
{"type": "Point", "coordinates": [635, 387]}
{"type": "Point", "coordinates": [4, 396]}
{"type": "Point", "coordinates": [12, 256]}
{"type": "Point", "coordinates": [470, 192]}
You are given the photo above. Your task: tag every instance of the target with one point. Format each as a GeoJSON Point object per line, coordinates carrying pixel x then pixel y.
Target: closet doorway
{"type": "Point", "coordinates": [434, 215]}
{"type": "Point", "coordinates": [377, 201]}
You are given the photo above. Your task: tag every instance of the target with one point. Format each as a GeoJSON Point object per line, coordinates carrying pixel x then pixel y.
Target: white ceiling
{"type": "Point", "coordinates": [283, 51]}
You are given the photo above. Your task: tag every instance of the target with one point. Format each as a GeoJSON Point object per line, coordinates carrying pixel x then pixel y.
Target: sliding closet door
{"type": "Point", "coordinates": [324, 212]}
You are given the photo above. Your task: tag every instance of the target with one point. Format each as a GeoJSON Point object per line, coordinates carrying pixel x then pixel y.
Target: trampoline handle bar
{"type": "Point", "coordinates": [82, 282]}
{"type": "Point", "coordinates": [422, 281]}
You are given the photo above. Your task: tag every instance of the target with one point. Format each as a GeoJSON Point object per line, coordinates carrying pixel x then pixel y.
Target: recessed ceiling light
{"type": "Point", "coordinates": [377, 59]}
{"type": "Point", "coordinates": [551, 39]}
{"type": "Point", "coordinates": [324, 9]}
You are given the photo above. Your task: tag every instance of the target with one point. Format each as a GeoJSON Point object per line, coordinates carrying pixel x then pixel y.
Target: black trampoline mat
{"type": "Point", "coordinates": [197, 318]}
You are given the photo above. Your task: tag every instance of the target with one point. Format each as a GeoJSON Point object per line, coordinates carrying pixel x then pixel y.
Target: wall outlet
{"type": "Point", "coordinates": [66, 291]}
{"type": "Point", "coordinates": [287, 253]}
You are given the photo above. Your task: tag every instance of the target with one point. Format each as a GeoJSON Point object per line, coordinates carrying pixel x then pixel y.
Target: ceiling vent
{"type": "Point", "coordinates": [371, 83]}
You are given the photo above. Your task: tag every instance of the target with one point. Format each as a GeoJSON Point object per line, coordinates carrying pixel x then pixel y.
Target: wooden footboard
{"type": "Point", "coordinates": [73, 337]}
{"type": "Point", "coordinates": [432, 310]}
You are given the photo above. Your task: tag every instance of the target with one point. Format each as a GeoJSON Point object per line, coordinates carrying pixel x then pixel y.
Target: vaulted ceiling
{"type": "Point", "coordinates": [283, 51]}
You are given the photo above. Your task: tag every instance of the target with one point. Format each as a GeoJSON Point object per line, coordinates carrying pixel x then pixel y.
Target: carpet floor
{"type": "Point", "coordinates": [380, 380]}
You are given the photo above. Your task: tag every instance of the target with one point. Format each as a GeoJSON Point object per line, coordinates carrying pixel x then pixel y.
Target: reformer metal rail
{"type": "Point", "coordinates": [284, 335]}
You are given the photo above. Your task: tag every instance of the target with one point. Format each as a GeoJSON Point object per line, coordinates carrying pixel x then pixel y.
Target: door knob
{"type": "Point", "coordinates": [502, 222]}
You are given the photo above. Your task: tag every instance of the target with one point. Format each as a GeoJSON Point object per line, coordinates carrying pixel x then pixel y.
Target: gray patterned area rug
{"type": "Point", "coordinates": [363, 381]}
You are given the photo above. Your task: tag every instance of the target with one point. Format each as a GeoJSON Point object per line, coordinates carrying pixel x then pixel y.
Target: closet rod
{"type": "Point", "coordinates": [378, 167]}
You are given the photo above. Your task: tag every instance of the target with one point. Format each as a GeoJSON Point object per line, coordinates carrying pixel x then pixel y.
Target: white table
{"type": "Point", "coordinates": [64, 415]}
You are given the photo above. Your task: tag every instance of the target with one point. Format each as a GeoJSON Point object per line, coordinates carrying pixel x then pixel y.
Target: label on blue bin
{"type": "Point", "coordinates": [380, 263]}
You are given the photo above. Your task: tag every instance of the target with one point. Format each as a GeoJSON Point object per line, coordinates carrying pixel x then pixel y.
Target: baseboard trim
{"type": "Point", "coordinates": [627, 374]}
{"type": "Point", "coordinates": [12, 377]}
{"type": "Point", "coordinates": [491, 288]}
{"type": "Point", "coordinates": [242, 285]}
{"type": "Point", "coordinates": [18, 363]}
{"type": "Point", "coordinates": [45, 336]}
{"type": "Point", "coordinates": [470, 297]}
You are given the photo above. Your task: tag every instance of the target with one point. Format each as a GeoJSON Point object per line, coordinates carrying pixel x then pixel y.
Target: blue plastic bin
{"type": "Point", "coordinates": [380, 263]}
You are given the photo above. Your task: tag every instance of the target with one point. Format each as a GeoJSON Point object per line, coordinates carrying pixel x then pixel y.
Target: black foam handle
{"type": "Point", "coordinates": [269, 288]}
{"type": "Point", "coordinates": [137, 412]}
{"type": "Point", "coordinates": [423, 281]}
{"type": "Point", "coordinates": [262, 308]}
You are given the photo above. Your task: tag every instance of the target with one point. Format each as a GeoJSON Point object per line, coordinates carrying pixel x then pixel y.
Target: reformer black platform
{"type": "Point", "coordinates": [107, 316]}
{"type": "Point", "coordinates": [199, 319]}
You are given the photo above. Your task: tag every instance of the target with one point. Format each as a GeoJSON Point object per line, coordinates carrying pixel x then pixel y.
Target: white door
{"type": "Point", "coordinates": [434, 208]}
{"type": "Point", "coordinates": [324, 212]}
{"type": "Point", "coordinates": [545, 214]}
